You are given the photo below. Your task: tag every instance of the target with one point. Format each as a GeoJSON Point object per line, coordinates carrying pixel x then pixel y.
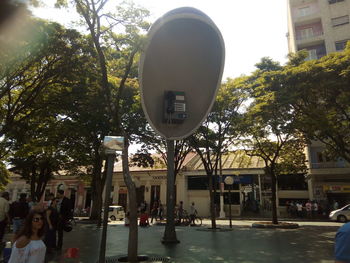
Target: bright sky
{"type": "Point", "coordinates": [251, 29]}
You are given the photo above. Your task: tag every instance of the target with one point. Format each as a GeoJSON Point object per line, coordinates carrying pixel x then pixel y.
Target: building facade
{"type": "Point", "coordinates": [250, 194]}
{"type": "Point", "coordinates": [74, 188]}
{"type": "Point", "coordinates": [321, 27]}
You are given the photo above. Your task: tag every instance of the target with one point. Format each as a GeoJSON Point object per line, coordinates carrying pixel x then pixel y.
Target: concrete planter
{"type": "Point", "coordinates": [282, 225]}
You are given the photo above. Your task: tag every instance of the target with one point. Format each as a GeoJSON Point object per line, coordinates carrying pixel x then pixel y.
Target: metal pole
{"type": "Point", "coordinates": [170, 234]}
{"type": "Point", "coordinates": [110, 165]}
{"type": "Point", "coordinates": [222, 212]}
{"type": "Point", "coordinates": [229, 198]}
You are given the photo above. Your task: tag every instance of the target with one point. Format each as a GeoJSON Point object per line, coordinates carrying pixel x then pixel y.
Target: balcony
{"type": "Point", "coordinates": [310, 39]}
{"type": "Point", "coordinates": [300, 20]}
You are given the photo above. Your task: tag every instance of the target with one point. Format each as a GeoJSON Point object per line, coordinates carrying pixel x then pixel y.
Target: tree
{"type": "Point", "coordinates": [218, 132]}
{"type": "Point", "coordinates": [38, 67]}
{"type": "Point", "coordinates": [101, 26]}
{"type": "Point", "coordinates": [319, 93]}
{"type": "Point", "coordinates": [35, 87]}
{"type": "Point", "coordinates": [270, 128]}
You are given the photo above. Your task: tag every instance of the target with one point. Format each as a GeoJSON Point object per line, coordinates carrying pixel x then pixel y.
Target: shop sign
{"type": "Point", "coordinates": [337, 188]}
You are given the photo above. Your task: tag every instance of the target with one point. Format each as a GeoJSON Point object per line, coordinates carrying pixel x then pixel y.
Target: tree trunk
{"type": "Point", "coordinates": [97, 188]}
{"type": "Point", "coordinates": [97, 183]}
{"type": "Point", "coordinates": [212, 205]}
{"type": "Point", "coordinates": [133, 228]}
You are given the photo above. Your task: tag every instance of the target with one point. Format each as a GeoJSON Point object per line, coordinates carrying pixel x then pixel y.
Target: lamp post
{"type": "Point", "coordinates": [229, 181]}
{"type": "Point", "coordinates": [222, 212]}
{"type": "Point", "coordinates": [111, 144]}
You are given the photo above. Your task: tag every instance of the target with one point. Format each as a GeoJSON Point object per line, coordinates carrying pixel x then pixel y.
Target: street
{"type": "Point", "coordinates": [312, 242]}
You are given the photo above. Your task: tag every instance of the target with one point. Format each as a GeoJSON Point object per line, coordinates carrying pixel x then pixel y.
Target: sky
{"type": "Point", "coordinates": [251, 29]}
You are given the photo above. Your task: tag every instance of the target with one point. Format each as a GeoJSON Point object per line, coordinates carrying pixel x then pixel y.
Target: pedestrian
{"type": "Point", "coordinates": [144, 219]}
{"type": "Point", "coordinates": [314, 209]}
{"type": "Point", "coordinates": [180, 212]}
{"type": "Point", "coordinates": [30, 202]}
{"type": "Point", "coordinates": [299, 210]}
{"type": "Point", "coordinates": [342, 244]}
{"type": "Point", "coordinates": [4, 213]}
{"type": "Point", "coordinates": [193, 214]}
{"type": "Point", "coordinates": [154, 212]}
{"type": "Point", "coordinates": [51, 215]}
{"type": "Point", "coordinates": [50, 198]}
{"type": "Point", "coordinates": [18, 212]}
{"type": "Point", "coordinates": [28, 246]}
{"type": "Point", "coordinates": [64, 209]}
{"type": "Point", "coordinates": [127, 219]}
{"type": "Point", "coordinates": [308, 207]}
{"type": "Point", "coordinates": [160, 211]}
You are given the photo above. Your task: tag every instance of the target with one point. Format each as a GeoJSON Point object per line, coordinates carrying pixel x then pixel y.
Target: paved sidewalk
{"type": "Point", "coordinates": [309, 243]}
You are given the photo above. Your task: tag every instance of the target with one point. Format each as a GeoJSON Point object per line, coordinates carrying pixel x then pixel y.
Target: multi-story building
{"type": "Point", "coordinates": [321, 27]}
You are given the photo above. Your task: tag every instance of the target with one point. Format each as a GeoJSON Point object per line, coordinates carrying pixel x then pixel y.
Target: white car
{"type": "Point", "coordinates": [341, 215]}
{"type": "Point", "coordinates": [116, 212]}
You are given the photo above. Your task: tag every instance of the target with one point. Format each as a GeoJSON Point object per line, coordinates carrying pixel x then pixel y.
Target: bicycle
{"type": "Point", "coordinates": [187, 219]}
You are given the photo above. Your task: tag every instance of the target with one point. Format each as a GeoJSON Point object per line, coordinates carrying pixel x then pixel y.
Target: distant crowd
{"type": "Point", "coordinates": [310, 209]}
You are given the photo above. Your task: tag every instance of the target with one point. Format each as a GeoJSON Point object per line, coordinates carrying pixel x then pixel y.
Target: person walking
{"type": "Point", "coordinates": [51, 215]}
{"type": "Point", "coordinates": [160, 211]}
{"type": "Point", "coordinates": [193, 214]}
{"type": "Point", "coordinates": [28, 246]}
{"type": "Point", "coordinates": [180, 211]}
{"type": "Point", "coordinates": [64, 209]}
{"type": "Point", "coordinates": [4, 213]}
{"type": "Point", "coordinates": [154, 212]}
{"type": "Point", "coordinates": [308, 207]}
{"type": "Point", "coordinates": [144, 219]}
{"type": "Point", "coordinates": [18, 212]}
{"type": "Point", "coordinates": [299, 209]}
{"type": "Point", "coordinates": [314, 209]}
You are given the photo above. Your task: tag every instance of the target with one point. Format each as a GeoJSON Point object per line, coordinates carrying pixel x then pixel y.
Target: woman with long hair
{"type": "Point", "coordinates": [28, 246]}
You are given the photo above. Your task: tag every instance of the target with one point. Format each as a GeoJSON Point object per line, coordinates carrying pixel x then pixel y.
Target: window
{"type": "Point", "coordinates": [198, 183]}
{"type": "Point", "coordinates": [319, 157]}
{"type": "Point", "coordinates": [341, 20]}
{"type": "Point", "coordinates": [292, 182]}
{"type": "Point", "coordinates": [340, 45]}
{"type": "Point", "coordinates": [334, 1]}
{"type": "Point", "coordinates": [312, 54]}
{"type": "Point", "coordinates": [306, 33]}
{"type": "Point", "coordinates": [304, 11]}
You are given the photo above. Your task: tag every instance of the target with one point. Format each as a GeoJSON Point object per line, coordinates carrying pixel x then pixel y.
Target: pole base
{"type": "Point", "coordinates": [222, 215]}
{"type": "Point", "coordinates": [170, 241]}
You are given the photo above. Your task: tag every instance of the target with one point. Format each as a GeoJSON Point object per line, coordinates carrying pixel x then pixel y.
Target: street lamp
{"type": "Point", "coordinates": [111, 144]}
{"type": "Point", "coordinates": [229, 181]}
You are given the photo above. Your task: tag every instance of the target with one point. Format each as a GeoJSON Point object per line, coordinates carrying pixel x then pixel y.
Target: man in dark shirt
{"type": "Point", "coordinates": [64, 208]}
{"type": "Point", "coordinates": [18, 212]}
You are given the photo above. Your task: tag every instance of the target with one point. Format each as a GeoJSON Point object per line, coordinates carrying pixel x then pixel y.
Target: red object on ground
{"type": "Point", "coordinates": [72, 252]}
